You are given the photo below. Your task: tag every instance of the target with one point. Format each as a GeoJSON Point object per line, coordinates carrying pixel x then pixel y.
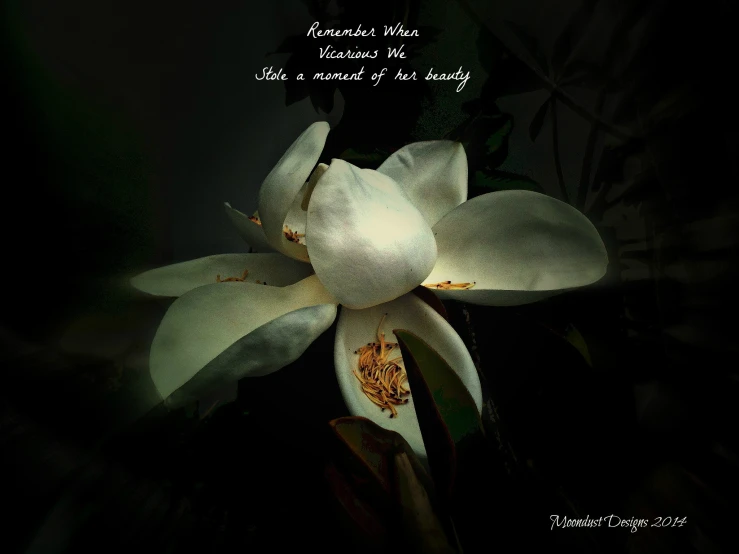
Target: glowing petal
{"type": "Point", "coordinates": [516, 247]}
{"type": "Point", "coordinates": [367, 242]}
{"type": "Point", "coordinates": [263, 351]}
{"type": "Point", "coordinates": [177, 279]}
{"type": "Point", "coordinates": [205, 329]}
{"type": "Point", "coordinates": [279, 194]}
{"type": "Point", "coordinates": [248, 230]}
{"type": "Point", "coordinates": [358, 327]}
{"type": "Point", "coordinates": [433, 174]}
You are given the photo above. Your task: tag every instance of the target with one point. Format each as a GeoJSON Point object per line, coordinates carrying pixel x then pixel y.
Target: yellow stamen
{"type": "Point", "coordinates": [241, 279]}
{"type": "Point", "coordinates": [381, 379]}
{"type": "Point", "coordinates": [255, 219]}
{"type": "Point", "coordinates": [292, 236]}
{"type": "Point", "coordinates": [448, 285]}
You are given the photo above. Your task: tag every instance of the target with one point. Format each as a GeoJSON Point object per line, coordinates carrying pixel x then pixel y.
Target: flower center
{"type": "Point", "coordinates": [255, 219]}
{"type": "Point", "coordinates": [382, 379]}
{"type": "Point", "coordinates": [448, 285]}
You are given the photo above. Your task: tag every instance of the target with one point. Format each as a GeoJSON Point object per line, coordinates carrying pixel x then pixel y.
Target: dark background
{"type": "Point", "coordinates": [127, 124]}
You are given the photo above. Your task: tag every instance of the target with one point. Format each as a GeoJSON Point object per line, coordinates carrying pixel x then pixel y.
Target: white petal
{"type": "Point", "coordinates": [518, 247]}
{"type": "Point", "coordinates": [248, 230]}
{"type": "Point", "coordinates": [263, 351]}
{"type": "Point", "coordinates": [433, 174]}
{"type": "Point", "coordinates": [206, 321]}
{"type": "Point", "coordinates": [368, 244]}
{"type": "Point", "coordinates": [307, 191]}
{"type": "Point", "coordinates": [358, 327]}
{"type": "Point", "coordinates": [177, 279]}
{"type": "Point", "coordinates": [279, 192]}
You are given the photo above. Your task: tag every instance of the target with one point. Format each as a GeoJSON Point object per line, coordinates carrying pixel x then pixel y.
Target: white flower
{"type": "Point", "coordinates": [363, 239]}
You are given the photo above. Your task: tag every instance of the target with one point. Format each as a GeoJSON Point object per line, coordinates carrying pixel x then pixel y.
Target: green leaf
{"type": "Point", "coordinates": [485, 137]}
{"type": "Point", "coordinates": [501, 180]}
{"type": "Point", "coordinates": [354, 156]}
{"type": "Point", "coordinates": [538, 121]}
{"type": "Point", "coordinates": [574, 337]}
{"type": "Point", "coordinates": [499, 137]}
{"type": "Point", "coordinates": [447, 413]}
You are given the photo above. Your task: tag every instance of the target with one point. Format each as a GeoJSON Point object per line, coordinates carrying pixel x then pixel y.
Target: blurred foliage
{"type": "Point", "coordinates": [614, 399]}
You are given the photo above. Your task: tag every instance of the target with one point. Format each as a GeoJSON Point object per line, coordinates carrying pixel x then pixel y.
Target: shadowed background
{"type": "Point", "coordinates": [128, 124]}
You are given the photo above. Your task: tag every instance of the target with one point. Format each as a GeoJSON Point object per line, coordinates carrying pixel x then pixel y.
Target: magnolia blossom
{"type": "Point", "coordinates": [362, 239]}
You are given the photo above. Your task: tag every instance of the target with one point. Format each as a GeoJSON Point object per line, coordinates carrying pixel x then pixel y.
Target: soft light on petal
{"type": "Point", "coordinates": [208, 320]}
{"type": "Point", "coordinates": [358, 327]}
{"type": "Point", "coordinates": [279, 192]}
{"type": "Point", "coordinates": [263, 351]}
{"type": "Point", "coordinates": [177, 279]}
{"type": "Point", "coordinates": [516, 247]}
{"type": "Point", "coordinates": [367, 242]}
{"type": "Point", "coordinates": [311, 184]}
{"type": "Point", "coordinates": [248, 230]}
{"type": "Point", "coordinates": [433, 174]}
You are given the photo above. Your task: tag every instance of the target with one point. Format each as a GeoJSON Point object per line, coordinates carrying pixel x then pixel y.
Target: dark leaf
{"type": "Point", "coordinates": [538, 121]}
{"type": "Point", "coordinates": [490, 49]}
{"type": "Point", "coordinates": [371, 444]}
{"type": "Point", "coordinates": [531, 45]}
{"type": "Point", "coordinates": [446, 412]}
{"type": "Point", "coordinates": [584, 74]}
{"type": "Point", "coordinates": [500, 180]}
{"type": "Point", "coordinates": [432, 300]}
{"type": "Point", "coordinates": [625, 113]}
{"type": "Point", "coordinates": [423, 528]}
{"type": "Point", "coordinates": [361, 157]}
{"type": "Point", "coordinates": [368, 520]}
{"type": "Point", "coordinates": [322, 96]}
{"type": "Point", "coordinates": [485, 139]}
{"type": "Point", "coordinates": [408, 491]}
{"type": "Point", "coordinates": [512, 76]}
{"type": "Point", "coordinates": [572, 35]}
{"type": "Point", "coordinates": [575, 338]}
{"type": "Point", "coordinates": [500, 136]}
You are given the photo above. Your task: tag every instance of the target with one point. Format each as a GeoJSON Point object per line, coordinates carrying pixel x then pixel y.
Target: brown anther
{"type": "Point", "coordinates": [381, 379]}
{"type": "Point", "coordinates": [448, 285]}
{"type": "Point", "coordinates": [233, 279]}
{"type": "Point", "coordinates": [255, 219]}
{"type": "Point", "coordinates": [292, 236]}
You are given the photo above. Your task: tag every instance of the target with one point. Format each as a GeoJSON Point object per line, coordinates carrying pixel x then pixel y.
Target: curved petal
{"type": "Point", "coordinates": [517, 247]}
{"type": "Point", "coordinates": [263, 351]}
{"type": "Point", "coordinates": [177, 279]}
{"type": "Point", "coordinates": [279, 192]}
{"type": "Point", "coordinates": [433, 174]}
{"type": "Point", "coordinates": [208, 320]}
{"type": "Point", "coordinates": [251, 232]}
{"type": "Point", "coordinates": [358, 327]}
{"type": "Point", "coordinates": [367, 243]}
